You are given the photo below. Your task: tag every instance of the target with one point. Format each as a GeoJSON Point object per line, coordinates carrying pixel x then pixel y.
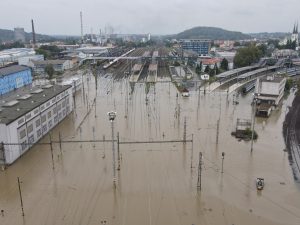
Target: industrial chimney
{"type": "Point", "coordinates": [33, 34]}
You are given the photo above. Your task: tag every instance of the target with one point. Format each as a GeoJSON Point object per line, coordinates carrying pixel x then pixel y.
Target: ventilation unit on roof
{"type": "Point", "coordinates": [11, 103]}
{"type": "Point", "coordinates": [37, 91]}
{"type": "Point", "coordinates": [24, 97]}
{"type": "Point", "coordinates": [47, 86]}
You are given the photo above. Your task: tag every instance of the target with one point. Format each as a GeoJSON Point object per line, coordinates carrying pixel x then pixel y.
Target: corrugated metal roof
{"type": "Point", "coordinates": [12, 69]}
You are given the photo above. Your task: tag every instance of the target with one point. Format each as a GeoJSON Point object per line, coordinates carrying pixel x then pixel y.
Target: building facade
{"type": "Point", "coordinates": [25, 61]}
{"type": "Point", "coordinates": [14, 77]}
{"type": "Point", "coordinates": [29, 115]}
{"type": "Point", "coordinates": [19, 34]}
{"type": "Point", "coordinates": [269, 91]}
{"type": "Point", "coordinates": [58, 65]}
{"type": "Point", "coordinates": [200, 46]}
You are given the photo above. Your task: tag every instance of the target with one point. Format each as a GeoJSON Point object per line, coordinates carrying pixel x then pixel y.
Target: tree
{"type": "Point", "coordinates": [216, 69]}
{"type": "Point", "coordinates": [199, 68]}
{"type": "Point", "coordinates": [42, 52]}
{"type": "Point", "coordinates": [207, 69]}
{"type": "Point", "coordinates": [224, 64]}
{"type": "Point", "coordinates": [49, 70]}
{"type": "Point", "coordinates": [247, 55]}
{"type": "Point", "coordinates": [176, 63]}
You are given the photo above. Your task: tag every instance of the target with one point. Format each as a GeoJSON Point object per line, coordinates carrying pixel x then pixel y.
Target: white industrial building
{"type": "Point", "coordinates": [12, 55]}
{"type": "Point", "coordinates": [59, 65]}
{"type": "Point", "coordinates": [25, 61]}
{"type": "Point", "coordinates": [28, 114]}
{"type": "Point", "coordinates": [269, 90]}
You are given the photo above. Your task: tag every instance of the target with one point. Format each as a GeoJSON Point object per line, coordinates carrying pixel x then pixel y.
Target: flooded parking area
{"type": "Point", "coordinates": [157, 182]}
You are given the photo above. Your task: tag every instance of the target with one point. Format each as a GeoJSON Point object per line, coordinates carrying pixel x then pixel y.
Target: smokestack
{"type": "Point", "coordinates": [81, 24]}
{"type": "Point", "coordinates": [33, 34]}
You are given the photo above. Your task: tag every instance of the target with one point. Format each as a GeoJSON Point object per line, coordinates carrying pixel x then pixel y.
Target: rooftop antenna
{"type": "Point", "coordinates": [81, 25]}
{"type": "Point", "coordinates": [33, 34]}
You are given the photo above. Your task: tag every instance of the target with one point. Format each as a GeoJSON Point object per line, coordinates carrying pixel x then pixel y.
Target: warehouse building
{"type": "Point", "coordinates": [14, 77]}
{"type": "Point", "coordinates": [200, 46]}
{"type": "Point", "coordinates": [59, 65]}
{"type": "Point", "coordinates": [29, 114]}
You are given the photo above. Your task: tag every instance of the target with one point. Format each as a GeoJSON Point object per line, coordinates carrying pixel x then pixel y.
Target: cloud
{"type": "Point", "coordinates": [154, 16]}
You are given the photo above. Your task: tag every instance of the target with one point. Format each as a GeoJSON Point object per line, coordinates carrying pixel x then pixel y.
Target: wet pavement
{"type": "Point", "coordinates": [157, 183]}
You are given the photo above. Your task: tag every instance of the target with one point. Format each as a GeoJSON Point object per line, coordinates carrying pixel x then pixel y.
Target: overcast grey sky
{"type": "Point", "coordinates": [151, 16]}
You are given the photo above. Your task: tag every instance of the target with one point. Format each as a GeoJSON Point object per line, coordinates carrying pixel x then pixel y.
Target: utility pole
{"type": "Point", "coordinates": [112, 116]}
{"type": "Point", "coordinates": [21, 199]}
{"type": "Point", "coordinates": [218, 127]}
{"type": "Point", "coordinates": [192, 153]}
{"type": "Point", "coordinates": [184, 131]}
{"type": "Point", "coordinates": [199, 171]}
{"type": "Point", "coordinates": [2, 154]}
{"type": "Point", "coordinates": [253, 122]}
{"type": "Point", "coordinates": [51, 148]}
{"type": "Point", "coordinates": [223, 156]}
{"type": "Point", "coordinates": [119, 158]}
{"type": "Point", "coordinates": [94, 145]}
{"type": "Point", "coordinates": [59, 136]}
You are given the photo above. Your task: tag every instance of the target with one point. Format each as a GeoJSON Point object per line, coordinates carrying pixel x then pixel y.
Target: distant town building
{"type": "Point", "coordinates": [58, 65]}
{"type": "Point", "coordinates": [25, 61]}
{"type": "Point", "coordinates": [12, 55]}
{"type": "Point", "coordinates": [29, 114]}
{"type": "Point", "coordinates": [200, 46]}
{"type": "Point", "coordinates": [294, 37]}
{"type": "Point", "coordinates": [14, 77]}
{"type": "Point", "coordinates": [285, 53]}
{"type": "Point", "coordinates": [269, 90]}
{"type": "Point", "coordinates": [19, 34]}
{"type": "Point", "coordinates": [211, 63]}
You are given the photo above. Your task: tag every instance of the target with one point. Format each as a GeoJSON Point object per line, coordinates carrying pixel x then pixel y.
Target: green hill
{"type": "Point", "coordinates": [8, 35]}
{"type": "Point", "coordinates": [212, 33]}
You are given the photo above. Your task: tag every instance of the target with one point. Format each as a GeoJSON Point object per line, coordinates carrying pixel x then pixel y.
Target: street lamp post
{"type": "Point", "coordinates": [223, 156]}
{"type": "Point", "coordinates": [253, 121]}
{"type": "Point", "coordinates": [111, 117]}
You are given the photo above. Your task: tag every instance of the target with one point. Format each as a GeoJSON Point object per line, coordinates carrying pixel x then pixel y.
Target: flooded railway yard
{"type": "Point", "coordinates": [157, 181]}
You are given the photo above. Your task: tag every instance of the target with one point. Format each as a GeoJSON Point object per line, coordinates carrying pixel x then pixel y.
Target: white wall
{"type": "Point", "coordinates": [269, 88]}
{"type": "Point", "coordinates": [12, 132]}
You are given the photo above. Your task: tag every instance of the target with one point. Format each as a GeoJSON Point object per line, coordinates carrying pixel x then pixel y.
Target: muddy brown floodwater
{"type": "Point", "coordinates": [157, 183]}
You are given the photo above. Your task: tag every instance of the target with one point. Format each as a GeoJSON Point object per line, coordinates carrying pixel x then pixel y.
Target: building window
{"type": "Point", "coordinates": [39, 133]}
{"type": "Point", "coordinates": [49, 114]}
{"type": "Point", "coordinates": [53, 100]}
{"type": "Point", "coordinates": [28, 116]}
{"type": "Point", "coordinates": [43, 118]}
{"type": "Point", "coordinates": [24, 145]}
{"type": "Point", "coordinates": [48, 103]}
{"type": "Point", "coordinates": [36, 111]}
{"type": "Point", "coordinates": [45, 128]}
{"type": "Point", "coordinates": [30, 128]}
{"type": "Point", "coordinates": [22, 134]}
{"type": "Point", "coordinates": [31, 139]}
{"type": "Point", "coordinates": [37, 123]}
{"type": "Point", "coordinates": [20, 121]}
{"type": "Point", "coordinates": [50, 124]}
